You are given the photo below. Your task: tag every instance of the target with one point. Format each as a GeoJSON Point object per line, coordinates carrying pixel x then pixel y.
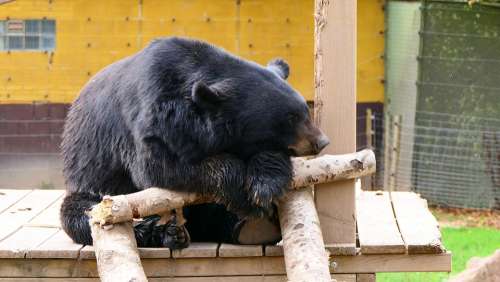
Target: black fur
{"type": "Point", "coordinates": [184, 115]}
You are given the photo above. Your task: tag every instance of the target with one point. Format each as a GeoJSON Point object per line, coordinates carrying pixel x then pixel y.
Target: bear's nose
{"type": "Point", "coordinates": [322, 142]}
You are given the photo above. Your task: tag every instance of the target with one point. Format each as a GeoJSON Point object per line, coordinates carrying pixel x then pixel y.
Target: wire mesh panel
{"type": "Point", "coordinates": [402, 46]}
{"type": "Point", "coordinates": [451, 164]}
{"type": "Point", "coordinates": [458, 107]}
{"type": "Point", "coordinates": [447, 144]}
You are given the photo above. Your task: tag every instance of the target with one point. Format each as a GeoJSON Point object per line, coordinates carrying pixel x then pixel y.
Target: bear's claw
{"type": "Point", "coordinates": [169, 235]}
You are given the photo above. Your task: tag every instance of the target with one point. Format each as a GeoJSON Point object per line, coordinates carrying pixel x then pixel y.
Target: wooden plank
{"type": "Point", "coordinates": [246, 266]}
{"type": "Point", "coordinates": [260, 278]}
{"type": "Point", "coordinates": [393, 263]}
{"type": "Point", "coordinates": [230, 250]}
{"type": "Point", "coordinates": [273, 251]}
{"type": "Point", "coordinates": [333, 249]}
{"type": "Point", "coordinates": [348, 249]}
{"type": "Point", "coordinates": [197, 250]}
{"type": "Point", "coordinates": [419, 228]}
{"type": "Point", "coordinates": [371, 277]}
{"type": "Point", "coordinates": [154, 253]}
{"type": "Point", "coordinates": [335, 111]}
{"type": "Point", "coordinates": [49, 217]}
{"type": "Point", "coordinates": [87, 252]}
{"type": "Point", "coordinates": [20, 243]}
{"type": "Point", "coordinates": [57, 246]}
{"type": "Point", "coordinates": [378, 232]}
{"type": "Point", "coordinates": [26, 209]}
{"type": "Point", "coordinates": [8, 197]}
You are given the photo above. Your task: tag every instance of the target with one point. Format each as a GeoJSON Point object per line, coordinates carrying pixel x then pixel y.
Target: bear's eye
{"type": "Point", "coordinates": [293, 118]}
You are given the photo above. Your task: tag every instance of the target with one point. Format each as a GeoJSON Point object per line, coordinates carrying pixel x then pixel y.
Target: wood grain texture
{"type": "Point", "coordinates": [335, 110]}
{"type": "Point", "coordinates": [393, 263]}
{"type": "Point", "coordinates": [249, 266]}
{"type": "Point", "coordinates": [378, 231]}
{"type": "Point", "coordinates": [197, 250]}
{"type": "Point", "coordinates": [8, 197]}
{"type": "Point", "coordinates": [230, 250]}
{"type": "Point", "coordinates": [57, 246]}
{"type": "Point", "coordinates": [20, 243]}
{"type": "Point", "coordinates": [419, 228]}
{"type": "Point", "coordinates": [49, 217]}
{"type": "Point", "coordinates": [26, 209]}
{"type": "Point", "coordinates": [260, 278]}
{"type": "Point", "coordinates": [348, 249]}
{"type": "Point", "coordinates": [371, 277]}
{"type": "Point", "coordinates": [273, 251]}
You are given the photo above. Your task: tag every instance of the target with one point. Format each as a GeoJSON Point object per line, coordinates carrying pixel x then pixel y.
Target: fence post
{"type": "Point", "coordinates": [367, 181]}
{"type": "Point", "coordinates": [394, 152]}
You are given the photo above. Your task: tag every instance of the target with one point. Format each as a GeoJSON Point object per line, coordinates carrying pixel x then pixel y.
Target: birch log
{"type": "Point", "coordinates": [305, 255]}
{"type": "Point", "coordinates": [116, 253]}
{"type": "Point", "coordinates": [327, 168]}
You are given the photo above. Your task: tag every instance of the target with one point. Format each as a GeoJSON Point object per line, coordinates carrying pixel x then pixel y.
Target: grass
{"type": "Point", "coordinates": [464, 243]}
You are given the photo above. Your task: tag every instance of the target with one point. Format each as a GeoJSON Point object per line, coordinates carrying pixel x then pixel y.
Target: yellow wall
{"type": "Point", "coordinates": [91, 34]}
{"type": "Point", "coordinates": [370, 65]}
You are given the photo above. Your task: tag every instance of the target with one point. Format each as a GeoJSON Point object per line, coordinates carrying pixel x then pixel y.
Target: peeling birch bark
{"type": "Point", "coordinates": [327, 168]}
{"type": "Point", "coordinates": [305, 256]}
{"type": "Point", "coordinates": [116, 253]}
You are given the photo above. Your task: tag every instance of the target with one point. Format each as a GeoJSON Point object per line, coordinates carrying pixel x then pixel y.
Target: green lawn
{"type": "Point", "coordinates": [464, 243]}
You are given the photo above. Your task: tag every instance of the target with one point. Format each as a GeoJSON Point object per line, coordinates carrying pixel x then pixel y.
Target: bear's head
{"type": "Point", "coordinates": [254, 109]}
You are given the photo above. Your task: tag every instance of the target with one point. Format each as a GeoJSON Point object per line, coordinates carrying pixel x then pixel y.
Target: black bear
{"type": "Point", "coordinates": [185, 115]}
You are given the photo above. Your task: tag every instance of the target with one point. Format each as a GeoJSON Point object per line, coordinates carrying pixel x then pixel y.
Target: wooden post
{"type": "Point", "coordinates": [394, 152]}
{"type": "Point", "coordinates": [335, 112]}
{"type": "Point", "coordinates": [369, 129]}
{"type": "Point", "coordinates": [367, 181]}
{"type": "Point", "coordinates": [387, 149]}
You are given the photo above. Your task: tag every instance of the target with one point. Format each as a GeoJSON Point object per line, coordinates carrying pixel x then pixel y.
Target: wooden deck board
{"type": "Point", "coordinates": [26, 209]}
{"type": "Point", "coordinates": [377, 228]}
{"type": "Point", "coordinates": [260, 278]}
{"type": "Point", "coordinates": [246, 266]}
{"type": "Point", "coordinates": [197, 250]}
{"type": "Point", "coordinates": [20, 243]}
{"type": "Point", "coordinates": [57, 246]}
{"type": "Point", "coordinates": [33, 245]}
{"type": "Point", "coordinates": [8, 197]}
{"type": "Point", "coordinates": [230, 250]}
{"type": "Point", "coordinates": [417, 225]}
{"type": "Point", "coordinates": [273, 251]}
{"type": "Point", "coordinates": [49, 217]}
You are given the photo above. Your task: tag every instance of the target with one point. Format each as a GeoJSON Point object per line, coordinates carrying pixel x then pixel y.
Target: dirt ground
{"type": "Point", "coordinates": [454, 217]}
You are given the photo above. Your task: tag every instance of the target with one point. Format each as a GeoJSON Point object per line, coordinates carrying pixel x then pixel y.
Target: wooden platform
{"type": "Point", "coordinates": [396, 233]}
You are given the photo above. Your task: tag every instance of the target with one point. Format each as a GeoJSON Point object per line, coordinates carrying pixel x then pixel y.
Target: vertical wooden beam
{"type": "Point", "coordinates": [335, 111]}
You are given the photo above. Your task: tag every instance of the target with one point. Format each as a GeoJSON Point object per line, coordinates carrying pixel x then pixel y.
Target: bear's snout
{"type": "Point", "coordinates": [310, 140]}
{"type": "Point", "coordinates": [321, 143]}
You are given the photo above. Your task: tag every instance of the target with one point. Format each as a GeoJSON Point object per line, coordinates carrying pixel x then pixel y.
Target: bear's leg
{"type": "Point", "coordinates": [148, 234]}
{"type": "Point", "coordinates": [268, 176]}
{"type": "Point", "coordinates": [73, 218]}
{"type": "Point", "coordinates": [220, 177]}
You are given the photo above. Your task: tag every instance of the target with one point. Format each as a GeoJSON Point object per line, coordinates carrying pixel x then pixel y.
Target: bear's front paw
{"type": "Point", "coordinates": [264, 191]}
{"type": "Point", "coordinates": [148, 233]}
{"type": "Point", "coordinates": [175, 236]}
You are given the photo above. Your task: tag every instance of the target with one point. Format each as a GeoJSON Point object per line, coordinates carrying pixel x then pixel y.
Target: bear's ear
{"type": "Point", "coordinates": [206, 97]}
{"type": "Point", "coordinates": [279, 67]}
